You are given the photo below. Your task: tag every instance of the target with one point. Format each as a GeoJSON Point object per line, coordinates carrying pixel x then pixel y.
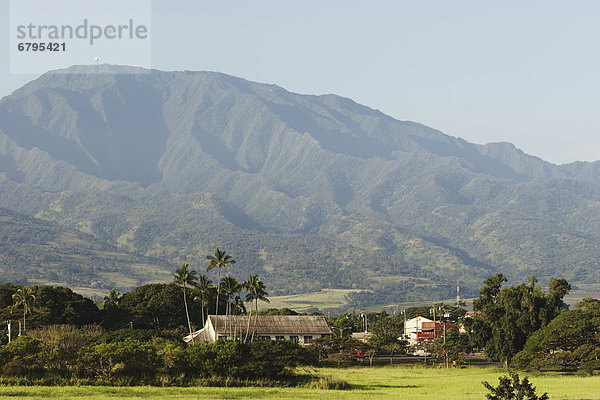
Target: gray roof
{"type": "Point", "coordinates": [272, 324]}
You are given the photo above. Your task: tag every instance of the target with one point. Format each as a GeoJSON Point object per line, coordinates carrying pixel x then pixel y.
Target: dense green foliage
{"type": "Point", "coordinates": [313, 192]}
{"type": "Point", "coordinates": [385, 333]}
{"type": "Point", "coordinates": [338, 349]}
{"type": "Point", "coordinates": [127, 357]}
{"type": "Point", "coordinates": [509, 316]}
{"type": "Point", "coordinates": [513, 388]}
{"type": "Point", "coordinates": [153, 306]}
{"type": "Point", "coordinates": [37, 251]}
{"type": "Point", "coordinates": [450, 347]}
{"type": "Point", "coordinates": [153, 353]}
{"type": "Point", "coordinates": [51, 305]}
{"type": "Point", "coordinates": [569, 341]}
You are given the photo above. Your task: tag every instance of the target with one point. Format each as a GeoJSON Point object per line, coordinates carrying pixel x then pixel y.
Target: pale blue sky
{"type": "Point", "coordinates": [525, 72]}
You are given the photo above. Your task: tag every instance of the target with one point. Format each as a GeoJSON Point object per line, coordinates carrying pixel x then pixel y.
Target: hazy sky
{"type": "Point", "coordinates": [526, 72]}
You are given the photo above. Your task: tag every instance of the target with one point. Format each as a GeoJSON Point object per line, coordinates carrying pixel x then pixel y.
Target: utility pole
{"type": "Point", "coordinates": [8, 323]}
{"type": "Point", "coordinates": [362, 321]}
{"type": "Point", "coordinates": [404, 312]}
{"type": "Point", "coordinates": [341, 331]}
{"type": "Point", "coordinates": [444, 331]}
{"type": "Point", "coordinates": [446, 316]}
{"type": "Point", "coordinates": [363, 317]}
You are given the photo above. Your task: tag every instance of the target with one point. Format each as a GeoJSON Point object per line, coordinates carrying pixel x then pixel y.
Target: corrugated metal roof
{"type": "Point", "coordinates": [272, 324]}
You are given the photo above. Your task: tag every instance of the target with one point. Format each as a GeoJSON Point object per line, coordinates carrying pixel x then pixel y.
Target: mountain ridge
{"type": "Point", "coordinates": [266, 164]}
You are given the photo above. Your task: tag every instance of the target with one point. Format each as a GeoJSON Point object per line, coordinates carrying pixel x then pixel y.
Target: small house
{"type": "Point", "coordinates": [301, 329]}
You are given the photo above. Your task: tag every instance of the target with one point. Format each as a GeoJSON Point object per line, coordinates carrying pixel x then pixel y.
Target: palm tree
{"type": "Point", "coordinates": [220, 260]}
{"type": "Point", "coordinates": [261, 294]}
{"type": "Point", "coordinates": [204, 286]}
{"type": "Point", "coordinates": [251, 285]}
{"type": "Point", "coordinates": [111, 315]}
{"type": "Point", "coordinates": [237, 306]}
{"type": "Point", "coordinates": [230, 286]}
{"type": "Point", "coordinates": [183, 277]}
{"type": "Point", "coordinates": [255, 289]}
{"type": "Point", "coordinates": [23, 298]}
{"type": "Point", "coordinates": [112, 300]}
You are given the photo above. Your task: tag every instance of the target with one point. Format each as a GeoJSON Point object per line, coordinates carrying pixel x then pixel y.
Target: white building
{"type": "Point", "coordinates": [421, 328]}
{"type": "Point", "coordinates": [296, 328]}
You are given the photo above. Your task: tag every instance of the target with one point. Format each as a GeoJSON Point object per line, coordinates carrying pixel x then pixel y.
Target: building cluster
{"type": "Point", "coordinates": [303, 329]}
{"type": "Point", "coordinates": [420, 328]}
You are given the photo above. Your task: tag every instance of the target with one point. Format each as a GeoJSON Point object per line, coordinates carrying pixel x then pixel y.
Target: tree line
{"type": "Point", "coordinates": [65, 355]}
{"type": "Point", "coordinates": [520, 325]}
{"type": "Point", "coordinates": [186, 302]}
{"type": "Point", "coordinates": [136, 337]}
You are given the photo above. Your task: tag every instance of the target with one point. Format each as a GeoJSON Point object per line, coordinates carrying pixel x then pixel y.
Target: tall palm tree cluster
{"type": "Point", "coordinates": [23, 299]}
{"type": "Point", "coordinates": [228, 286]}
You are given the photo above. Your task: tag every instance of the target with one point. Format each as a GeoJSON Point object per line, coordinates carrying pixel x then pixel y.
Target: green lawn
{"type": "Point", "coordinates": [380, 383]}
{"type": "Point", "coordinates": [323, 299]}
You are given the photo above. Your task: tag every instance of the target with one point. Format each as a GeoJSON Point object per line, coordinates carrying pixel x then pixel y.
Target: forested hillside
{"type": "Point", "coordinates": [310, 192]}
{"type": "Point", "coordinates": [36, 251]}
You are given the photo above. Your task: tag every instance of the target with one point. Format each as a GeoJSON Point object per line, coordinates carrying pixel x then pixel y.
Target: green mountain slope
{"type": "Point", "coordinates": [33, 251]}
{"type": "Point", "coordinates": [310, 192]}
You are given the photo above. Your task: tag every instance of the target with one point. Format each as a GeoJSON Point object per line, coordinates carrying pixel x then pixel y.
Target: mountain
{"type": "Point", "coordinates": [33, 251]}
{"type": "Point", "coordinates": [309, 192]}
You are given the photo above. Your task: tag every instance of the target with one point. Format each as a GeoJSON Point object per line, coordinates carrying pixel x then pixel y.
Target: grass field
{"type": "Point", "coordinates": [324, 299]}
{"type": "Point", "coordinates": [373, 383]}
{"type": "Point", "coordinates": [335, 298]}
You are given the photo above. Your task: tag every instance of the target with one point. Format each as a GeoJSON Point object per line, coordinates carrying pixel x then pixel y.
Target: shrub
{"type": "Point", "coordinates": [119, 356]}
{"type": "Point", "coordinates": [275, 359]}
{"type": "Point", "coordinates": [21, 357]}
{"type": "Point", "coordinates": [329, 382]}
{"type": "Point", "coordinates": [66, 355]}
{"type": "Point", "coordinates": [263, 359]}
{"type": "Point", "coordinates": [512, 388]}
